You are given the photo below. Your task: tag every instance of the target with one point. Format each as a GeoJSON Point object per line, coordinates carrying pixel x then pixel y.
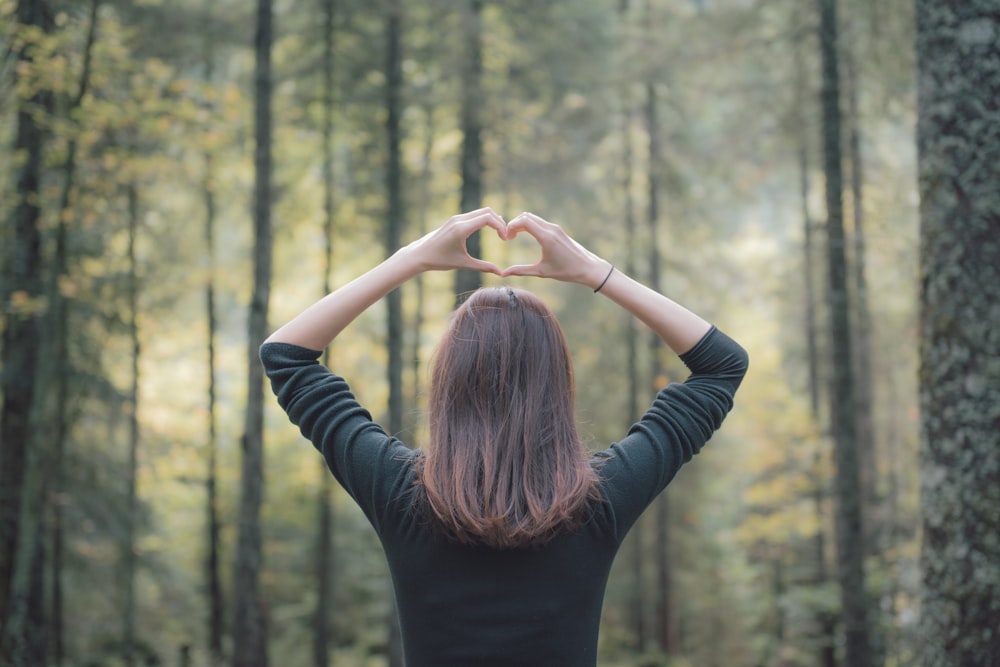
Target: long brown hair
{"type": "Point", "coordinates": [504, 466]}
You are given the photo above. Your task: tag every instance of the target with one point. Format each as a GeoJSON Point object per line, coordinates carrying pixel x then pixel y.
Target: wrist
{"type": "Point", "coordinates": [597, 273]}
{"type": "Point", "coordinates": [407, 264]}
{"type": "Point", "coordinates": [605, 280]}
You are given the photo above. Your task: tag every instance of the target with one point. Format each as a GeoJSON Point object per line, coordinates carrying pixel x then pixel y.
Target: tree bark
{"type": "Point", "coordinates": [864, 426]}
{"type": "Point", "coordinates": [958, 138]}
{"type": "Point", "coordinates": [322, 633]}
{"type": "Point", "coordinates": [213, 559]}
{"type": "Point", "coordinates": [472, 144]}
{"type": "Point", "coordinates": [637, 595]}
{"type": "Point", "coordinates": [213, 580]}
{"type": "Point", "coordinates": [128, 558]}
{"type": "Point", "coordinates": [850, 538]}
{"type": "Point", "coordinates": [393, 236]}
{"type": "Point", "coordinates": [22, 283]}
{"type": "Point", "coordinates": [826, 624]}
{"type": "Point", "coordinates": [250, 622]}
{"type": "Point", "coordinates": [664, 600]}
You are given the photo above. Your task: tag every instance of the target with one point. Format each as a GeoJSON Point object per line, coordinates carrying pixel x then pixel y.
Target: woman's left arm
{"type": "Point", "coordinates": [442, 249]}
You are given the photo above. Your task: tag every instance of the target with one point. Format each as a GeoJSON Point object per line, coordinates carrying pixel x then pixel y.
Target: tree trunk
{"type": "Point", "coordinates": [958, 137]}
{"type": "Point", "coordinates": [850, 539]}
{"type": "Point", "coordinates": [26, 632]}
{"type": "Point", "coordinates": [131, 510]}
{"type": "Point", "coordinates": [825, 622]}
{"type": "Point", "coordinates": [213, 580]}
{"type": "Point", "coordinates": [213, 559]}
{"type": "Point", "coordinates": [472, 143]}
{"type": "Point", "coordinates": [664, 600]}
{"type": "Point", "coordinates": [393, 236]}
{"type": "Point", "coordinates": [864, 426]}
{"type": "Point", "coordinates": [324, 533]}
{"type": "Point", "coordinates": [423, 211]}
{"type": "Point", "coordinates": [250, 622]}
{"type": "Point", "coordinates": [638, 606]}
{"type": "Point", "coordinates": [22, 288]}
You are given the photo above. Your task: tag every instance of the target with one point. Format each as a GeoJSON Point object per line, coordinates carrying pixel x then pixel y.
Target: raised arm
{"type": "Point", "coordinates": [566, 260]}
{"type": "Point", "coordinates": [442, 249]}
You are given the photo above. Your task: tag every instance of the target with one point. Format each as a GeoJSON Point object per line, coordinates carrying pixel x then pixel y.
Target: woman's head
{"type": "Point", "coordinates": [504, 466]}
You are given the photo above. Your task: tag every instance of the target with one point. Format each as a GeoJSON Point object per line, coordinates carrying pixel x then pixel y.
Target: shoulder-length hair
{"type": "Point", "coordinates": [504, 466]}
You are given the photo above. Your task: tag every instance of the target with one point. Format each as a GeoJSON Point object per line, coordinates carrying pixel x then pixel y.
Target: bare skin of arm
{"type": "Point", "coordinates": [442, 249]}
{"type": "Point", "coordinates": [562, 259]}
{"type": "Point", "coordinates": [566, 260]}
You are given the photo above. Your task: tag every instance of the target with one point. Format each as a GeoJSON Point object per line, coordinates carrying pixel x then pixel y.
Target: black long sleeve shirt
{"type": "Point", "coordinates": [462, 605]}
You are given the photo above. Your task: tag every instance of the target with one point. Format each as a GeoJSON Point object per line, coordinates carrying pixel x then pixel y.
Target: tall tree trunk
{"type": "Point", "coordinates": [864, 426]}
{"type": "Point", "coordinates": [664, 600]}
{"type": "Point", "coordinates": [393, 236]}
{"type": "Point", "coordinates": [26, 632]}
{"type": "Point", "coordinates": [250, 622]}
{"type": "Point", "coordinates": [638, 606]}
{"type": "Point", "coordinates": [213, 559]}
{"type": "Point", "coordinates": [128, 557]}
{"type": "Point", "coordinates": [213, 580]}
{"type": "Point", "coordinates": [324, 533]}
{"type": "Point", "coordinates": [850, 538]}
{"type": "Point", "coordinates": [423, 211]}
{"type": "Point", "coordinates": [472, 143]}
{"type": "Point", "coordinates": [22, 287]}
{"type": "Point", "coordinates": [826, 624]}
{"type": "Point", "coordinates": [637, 594]}
{"type": "Point", "coordinates": [958, 138]}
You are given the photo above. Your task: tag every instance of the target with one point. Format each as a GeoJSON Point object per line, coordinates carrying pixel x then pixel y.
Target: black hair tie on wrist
{"type": "Point", "coordinates": [598, 289]}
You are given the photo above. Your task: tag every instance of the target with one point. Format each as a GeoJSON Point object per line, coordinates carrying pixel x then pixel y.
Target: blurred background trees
{"type": "Point", "coordinates": [756, 160]}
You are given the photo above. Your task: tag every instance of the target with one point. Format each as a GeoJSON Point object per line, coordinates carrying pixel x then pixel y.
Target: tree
{"type": "Point", "coordinates": [128, 569]}
{"type": "Point", "coordinates": [213, 582]}
{"type": "Point", "coordinates": [958, 140]}
{"type": "Point", "coordinates": [250, 623]}
{"type": "Point", "coordinates": [22, 333]}
{"type": "Point", "coordinates": [393, 235]}
{"type": "Point", "coordinates": [324, 500]}
{"type": "Point", "coordinates": [850, 539]}
{"type": "Point", "coordinates": [472, 128]}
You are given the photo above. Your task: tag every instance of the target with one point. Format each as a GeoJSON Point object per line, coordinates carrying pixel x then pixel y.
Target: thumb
{"type": "Point", "coordinates": [521, 270]}
{"type": "Point", "coordinates": [485, 267]}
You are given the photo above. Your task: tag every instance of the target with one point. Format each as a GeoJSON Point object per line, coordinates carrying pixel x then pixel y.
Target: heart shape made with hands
{"type": "Point", "coordinates": [522, 249]}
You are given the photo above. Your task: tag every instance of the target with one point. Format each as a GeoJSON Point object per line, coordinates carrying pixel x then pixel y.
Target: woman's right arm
{"type": "Point", "coordinates": [683, 416]}
{"type": "Point", "coordinates": [566, 260]}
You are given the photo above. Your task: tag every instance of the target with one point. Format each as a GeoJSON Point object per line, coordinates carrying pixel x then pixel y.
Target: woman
{"type": "Point", "coordinates": [501, 535]}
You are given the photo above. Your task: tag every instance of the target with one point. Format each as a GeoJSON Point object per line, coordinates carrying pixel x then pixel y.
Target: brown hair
{"type": "Point", "coordinates": [504, 466]}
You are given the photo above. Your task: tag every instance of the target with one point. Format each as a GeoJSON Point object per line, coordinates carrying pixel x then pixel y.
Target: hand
{"type": "Point", "coordinates": [562, 257]}
{"type": "Point", "coordinates": [445, 248]}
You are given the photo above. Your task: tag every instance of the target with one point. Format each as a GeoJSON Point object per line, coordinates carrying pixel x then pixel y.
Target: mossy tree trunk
{"type": "Point", "coordinates": [958, 137]}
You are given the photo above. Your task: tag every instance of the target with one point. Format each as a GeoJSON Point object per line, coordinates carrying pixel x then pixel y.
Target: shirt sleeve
{"type": "Point", "coordinates": [373, 467]}
{"type": "Point", "coordinates": [681, 420]}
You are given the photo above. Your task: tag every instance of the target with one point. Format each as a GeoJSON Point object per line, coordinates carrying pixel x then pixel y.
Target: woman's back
{"type": "Point", "coordinates": [463, 604]}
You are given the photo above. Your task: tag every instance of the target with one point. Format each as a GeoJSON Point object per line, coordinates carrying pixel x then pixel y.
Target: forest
{"type": "Point", "coordinates": [819, 178]}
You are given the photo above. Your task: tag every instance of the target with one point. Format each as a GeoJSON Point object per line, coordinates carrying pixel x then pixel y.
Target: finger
{"type": "Point", "coordinates": [525, 222]}
{"type": "Point", "coordinates": [474, 212]}
{"type": "Point", "coordinates": [521, 270]}
{"type": "Point", "coordinates": [485, 267]}
{"type": "Point", "coordinates": [487, 217]}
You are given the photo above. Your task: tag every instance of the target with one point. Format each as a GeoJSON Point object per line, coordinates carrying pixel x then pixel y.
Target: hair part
{"type": "Point", "coordinates": [505, 466]}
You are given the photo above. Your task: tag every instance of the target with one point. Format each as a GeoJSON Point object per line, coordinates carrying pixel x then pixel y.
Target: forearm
{"type": "Point", "coordinates": [441, 249]}
{"type": "Point", "coordinates": [323, 321]}
{"type": "Point", "coordinates": [679, 328]}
